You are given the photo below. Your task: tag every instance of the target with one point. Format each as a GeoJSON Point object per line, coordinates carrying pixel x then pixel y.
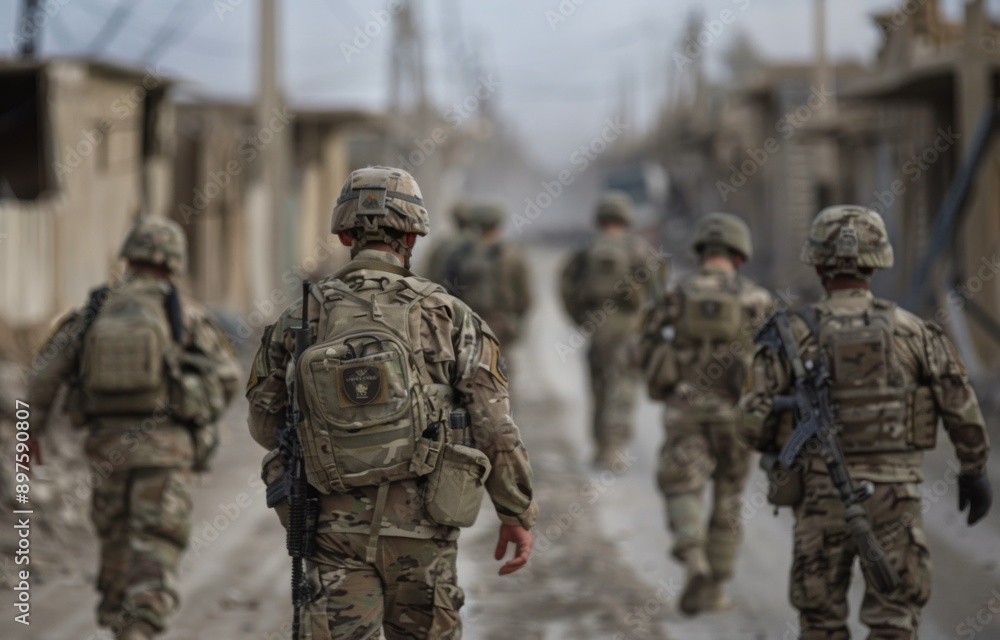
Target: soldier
{"type": "Point", "coordinates": [490, 275]}
{"type": "Point", "coordinates": [893, 376]}
{"type": "Point", "coordinates": [440, 252]}
{"type": "Point", "coordinates": [148, 375]}
{"type": "Point", "coordinates": [603, 287]}
{"type": "Point", "coordinates": [697, 348]}
{"type": "Point", "coordinates": [397, 358]}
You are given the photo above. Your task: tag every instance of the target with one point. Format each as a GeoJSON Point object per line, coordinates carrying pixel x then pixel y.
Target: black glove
{"type": "Point", "coordinates": [976, 493]}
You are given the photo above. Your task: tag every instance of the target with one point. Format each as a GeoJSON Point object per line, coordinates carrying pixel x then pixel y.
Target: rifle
{"type": "Point", "coordinates": [815, 409]}
{"type": "Point", "coordinates": [293, 484]}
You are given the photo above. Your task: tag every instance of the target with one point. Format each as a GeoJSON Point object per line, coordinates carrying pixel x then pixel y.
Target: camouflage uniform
{"type": "Point", "coordinates": [410, 590]}
{"type": "Point", "coordinates": [491, 276]}
{"type": "Point", "coordinates": [604, 287]}
{"type": "Point", "coordinates": [884, 447]}
{"type": "Point", "coordinates": [141, 465]}
{"type": "Point", "coordinates": [699, 376]}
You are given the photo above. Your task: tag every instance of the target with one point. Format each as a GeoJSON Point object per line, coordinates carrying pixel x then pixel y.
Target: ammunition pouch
{"type": "Point", "coordinates": [455, 489]}
{"type": "Point", "coordinates": [661, 371]}
{"type": "Point", "coordinates": [785, 487]}
{"type": "Point", "coordinates": [278, 484]}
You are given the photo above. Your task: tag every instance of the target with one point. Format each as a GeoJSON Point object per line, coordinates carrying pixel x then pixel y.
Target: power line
{"type": "Point", "coordinates": [112, 26]}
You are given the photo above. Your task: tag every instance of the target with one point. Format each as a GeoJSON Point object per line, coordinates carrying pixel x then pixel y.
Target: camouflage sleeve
{"type": "Point", "coordinates": [53, 366]}
{"type": "Point", "coordinates": [266, 391]}
{"type": "Point", "coordinates": [481, 378]}
{"type": "Point", "coordinates": [768, 377]}
{"type": "Point", "coordinates": [956, 401]}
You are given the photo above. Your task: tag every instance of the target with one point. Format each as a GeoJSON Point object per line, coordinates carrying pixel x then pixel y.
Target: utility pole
{"type": "Point", "coordinates": [32, 30]}
{"type": "Point", "coordinates": [271, 243]}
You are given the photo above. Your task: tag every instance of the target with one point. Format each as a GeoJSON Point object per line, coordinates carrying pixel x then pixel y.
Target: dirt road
{"type": "Point", "coordinates": [600, 568]}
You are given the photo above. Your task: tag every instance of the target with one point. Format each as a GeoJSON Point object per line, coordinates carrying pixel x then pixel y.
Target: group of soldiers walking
{"type": "Point", "coordinates": [385, 394]}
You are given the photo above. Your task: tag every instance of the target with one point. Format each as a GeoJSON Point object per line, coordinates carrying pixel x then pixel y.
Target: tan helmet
{"type": "Point", "coordinates": [614, 206]}
{"type": "Point", "coordinates": [847, 239]}
{"type": "Point", "coordinates": [488, 215]}
{"type": "Point", "coordinates": [157, 241]}
{"type": "Point", "coordinates": [723, 229]}
{"type": "Point", "coordinates": [375, 200]}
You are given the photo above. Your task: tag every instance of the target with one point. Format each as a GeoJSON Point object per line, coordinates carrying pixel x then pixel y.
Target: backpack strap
{"type": "Point", "coordinates": [371, 549]}
{"type": "Point", "coordinates": [808, 315]}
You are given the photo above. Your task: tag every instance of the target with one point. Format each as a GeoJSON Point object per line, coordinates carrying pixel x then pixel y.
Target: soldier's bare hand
{"type": "Point", "coordinates": [522, 540]}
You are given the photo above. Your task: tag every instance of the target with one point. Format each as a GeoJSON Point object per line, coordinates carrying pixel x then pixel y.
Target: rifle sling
{"type": "Point", "coordinates": [371, 550]}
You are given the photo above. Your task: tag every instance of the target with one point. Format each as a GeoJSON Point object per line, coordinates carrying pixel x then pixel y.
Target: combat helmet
{"type": "Point", "coordinates": [461, 214]}
{"type": "Point", "coordinates": [614, 206]}
{"type": "Point", "coordinates": [723, 229]}
{"type": "Point", "coordinates": [157, 241]}
{"type": "Point", "coordinates": [487, 215]}
{"type": "Point", "coordinates": [380, 204]}
{"type": "Point", "coordinates": [848, 240]}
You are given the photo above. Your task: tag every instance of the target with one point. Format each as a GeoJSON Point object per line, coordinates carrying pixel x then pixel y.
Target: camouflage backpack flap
{"type": "Point", "coordinates": [874, 402]}
{"type": "Point", "coordinates": [129, 354]}
{"type": "Point", "coordinates": [366, 396]}
{"type": "Point", "coordinates": [607, 263]}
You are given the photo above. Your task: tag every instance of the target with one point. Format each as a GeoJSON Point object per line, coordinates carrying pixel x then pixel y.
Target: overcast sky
{"type": "Point", "coordinates": [559, 70]}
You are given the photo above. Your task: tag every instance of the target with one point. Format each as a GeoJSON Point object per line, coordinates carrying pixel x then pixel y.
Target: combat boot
{"type": "Point", "coordinates": [714, 597]}
{"type": "Point", "coordinates": [698, 580]}
{"type": "Point", "coordinates": [138, 630]}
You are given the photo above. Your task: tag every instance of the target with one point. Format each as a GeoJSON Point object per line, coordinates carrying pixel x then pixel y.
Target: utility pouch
{"type": "Point", "coordinates": [922, 418]}
{"type": "Point", "coordinates": [427, 450]}
{"type": "Point", "coordinates": [785, 487]}
{"type": "Point", "coordinates": [456, 487]}
{"type": "Point", "coordinates": [661, 371]}
{"type": "Point", "coordinates": [276, 480]}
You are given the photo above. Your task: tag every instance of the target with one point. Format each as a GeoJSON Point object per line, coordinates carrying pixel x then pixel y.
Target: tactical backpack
{"type": "Point", "coordinates": [877, 412]}
{"type": "Point", "coordinates": [124, 368]}
{"type": "Point", "coordinates": [475, 273]}
{"type": "Point", "coordinates": [371, 414]}
{"type": "Point", "coordinates": [606, 265]}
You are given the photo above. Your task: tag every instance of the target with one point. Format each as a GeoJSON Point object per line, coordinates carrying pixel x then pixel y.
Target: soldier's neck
{"type": "Point", "coordinates": [840, 284]}
{"type": "Point", "coordinates": [142, 269]}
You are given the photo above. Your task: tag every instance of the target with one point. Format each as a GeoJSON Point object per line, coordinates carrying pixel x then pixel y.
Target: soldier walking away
{"type": "Point", "coordinates": [148, 375]}
{"type": "Point", "coordinates": [491, 275]}
{"type": "Point", "coordinates": [604, 287]}
{"type": "Point", "coordinates": [885, 378]}
{"type": "Point", "coordinates": [696, 351]}
{"type": "Point", "coordinates": [405, 425]}
{"type": "Point", "coordinates": [465, 232]}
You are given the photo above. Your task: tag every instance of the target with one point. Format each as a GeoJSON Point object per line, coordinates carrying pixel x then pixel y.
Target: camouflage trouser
{"type": "Point", "coordinates": [694, 454]}
{"type": "Point", "coordinates": [613, 384]}
{"type": "Point", "coordinates": [142, 517]}
{"type": "Point", "coordinates": [824, 556]}
{"type": "Point", "coordinates": [410, 592]}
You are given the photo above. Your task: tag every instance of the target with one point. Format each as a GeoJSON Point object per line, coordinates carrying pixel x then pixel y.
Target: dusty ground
{"type": "Point", "coordinates": [600, 569]}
